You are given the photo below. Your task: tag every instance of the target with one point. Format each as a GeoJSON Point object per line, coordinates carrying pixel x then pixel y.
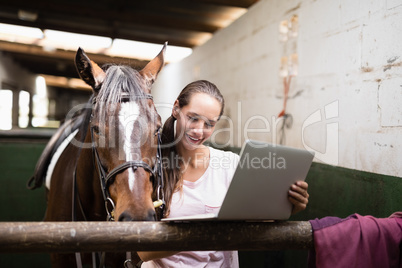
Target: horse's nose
{"type": "Point", "coordinates": [150, 216]}
{"type": "Point", "coordinates": [125, 217]}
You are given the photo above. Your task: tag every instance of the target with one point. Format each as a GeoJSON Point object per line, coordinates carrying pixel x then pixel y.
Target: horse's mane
{"type": "Point", "coordinates": [119, 79]}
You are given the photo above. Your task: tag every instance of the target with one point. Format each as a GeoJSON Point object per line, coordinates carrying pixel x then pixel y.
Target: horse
{"type": "Point", "coordinates": [103, 163]}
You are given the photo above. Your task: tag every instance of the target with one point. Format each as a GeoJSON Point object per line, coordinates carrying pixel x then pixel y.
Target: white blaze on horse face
{"type": "Point", "coordinates": [129, 113]}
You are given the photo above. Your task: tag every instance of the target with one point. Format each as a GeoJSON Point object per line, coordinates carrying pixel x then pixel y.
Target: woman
{"type": "Point", "coordinates": [193, 185]}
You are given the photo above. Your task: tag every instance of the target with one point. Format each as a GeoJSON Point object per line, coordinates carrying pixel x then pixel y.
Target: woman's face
{"type": "Point", "coordinates": [196, 121]}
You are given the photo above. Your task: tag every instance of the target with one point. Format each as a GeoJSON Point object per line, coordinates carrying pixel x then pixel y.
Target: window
{"type": "Point", "coordinates": [40, 104]}
{"type": "Point", "coordinates": [6, 109]}
{"type": "Point", "coordinates": [23, 117]}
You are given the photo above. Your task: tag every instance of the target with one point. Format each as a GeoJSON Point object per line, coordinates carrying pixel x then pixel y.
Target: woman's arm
{"type": "Point", "coordinates": [298, 196]}
{"type": "Point", "coordinates": [152, 255]}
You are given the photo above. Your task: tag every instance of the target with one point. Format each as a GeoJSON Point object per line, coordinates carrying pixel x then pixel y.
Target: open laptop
{"type": "Point", "coordinates": [260, 185]}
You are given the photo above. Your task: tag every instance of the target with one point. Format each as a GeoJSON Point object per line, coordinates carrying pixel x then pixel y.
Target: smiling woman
{"type": "Point", "coordinates": [196, 121]}
{"type": "Point", "coordinates": [193, 182]}
{"type": "Point", "coordinates": [197, 108]}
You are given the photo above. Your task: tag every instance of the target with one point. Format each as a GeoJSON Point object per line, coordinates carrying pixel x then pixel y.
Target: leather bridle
{"type": "Point", "coordinates": [106, 178]}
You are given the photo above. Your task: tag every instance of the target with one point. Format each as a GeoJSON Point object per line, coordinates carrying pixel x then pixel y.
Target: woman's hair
{"type": "Point", "coordinates": [171, 161]}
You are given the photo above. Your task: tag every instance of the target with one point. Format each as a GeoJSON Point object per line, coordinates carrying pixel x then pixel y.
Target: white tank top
{"type": "Point", "coordinates": [203, 196]}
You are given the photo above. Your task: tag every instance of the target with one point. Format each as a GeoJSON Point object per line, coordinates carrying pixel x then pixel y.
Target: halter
{"type": "Point", "coordinates": [105, 178]}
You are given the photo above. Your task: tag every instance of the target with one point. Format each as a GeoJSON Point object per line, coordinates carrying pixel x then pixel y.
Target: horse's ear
{"type": "Point", "coordinates": [88, 70]}
{"type": "Point", "coordinates": [151, 70]}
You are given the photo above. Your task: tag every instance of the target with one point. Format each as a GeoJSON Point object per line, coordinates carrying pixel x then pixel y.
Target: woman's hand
{"type": "Point", "coordinates": [298, 196]}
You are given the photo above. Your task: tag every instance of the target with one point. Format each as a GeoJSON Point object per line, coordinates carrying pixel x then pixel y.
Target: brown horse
{"type": "Point", "coordinates": [105, 165]}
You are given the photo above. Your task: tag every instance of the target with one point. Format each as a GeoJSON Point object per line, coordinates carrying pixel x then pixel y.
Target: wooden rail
{"type": "Point", "coordinates": [152, 236]}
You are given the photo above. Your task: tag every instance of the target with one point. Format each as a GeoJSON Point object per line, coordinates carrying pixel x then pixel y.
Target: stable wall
{"type": "Point", "coordinates": [346, 98]}
{"type": "Point", "coordinates": [13, 74]}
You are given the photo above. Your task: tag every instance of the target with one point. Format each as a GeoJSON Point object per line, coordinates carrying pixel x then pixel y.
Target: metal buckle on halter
{"type": "Point", "coordinates": [159, 201]}
{"type": "Point", "coordinates": [110, 213]}
{"type": "Point", "coordinates": [128, 263]}
{"type": "Point", "coordinates": [158, 192]}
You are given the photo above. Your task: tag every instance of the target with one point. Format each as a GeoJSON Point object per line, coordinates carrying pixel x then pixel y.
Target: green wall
{"type": "Point", "coordinates": [336, 191]}
{"type": "Point", "coordinates": [17, 203]}
{"type": "Point", "coordinates": [339, 192]}
{"type": "Point", "coordinates": [17, 162]}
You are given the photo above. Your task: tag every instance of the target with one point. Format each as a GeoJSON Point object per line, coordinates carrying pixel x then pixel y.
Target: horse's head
{"type": "Point", "coordinates": [124, 130]}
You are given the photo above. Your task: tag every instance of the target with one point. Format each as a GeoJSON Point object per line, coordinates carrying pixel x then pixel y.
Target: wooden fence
{"type": "Point", "coordinates": [153, 236]}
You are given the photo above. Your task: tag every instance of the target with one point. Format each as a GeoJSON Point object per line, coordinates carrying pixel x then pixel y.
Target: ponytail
{"type": "Point", "coordinates": [168, 131]}
{"type": "Point", "coordinates": [171, 168]}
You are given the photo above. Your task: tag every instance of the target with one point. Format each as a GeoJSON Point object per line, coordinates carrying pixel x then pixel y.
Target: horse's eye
{"type": "Point", "coordinates": [95, 129]}
{"type": "Point", "coordinates": [111, 180]}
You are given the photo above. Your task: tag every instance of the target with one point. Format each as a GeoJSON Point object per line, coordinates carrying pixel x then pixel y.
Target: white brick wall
{"type": "Point", "coordinates": [350, 60]}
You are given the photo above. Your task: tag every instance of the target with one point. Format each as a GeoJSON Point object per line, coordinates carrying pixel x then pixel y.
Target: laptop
{"type": "Point", "coordinates": [260, 184]}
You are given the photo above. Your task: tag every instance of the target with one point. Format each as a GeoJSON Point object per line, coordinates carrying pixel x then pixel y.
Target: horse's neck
{"type": "Point", "coordinates": [88, 184]}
